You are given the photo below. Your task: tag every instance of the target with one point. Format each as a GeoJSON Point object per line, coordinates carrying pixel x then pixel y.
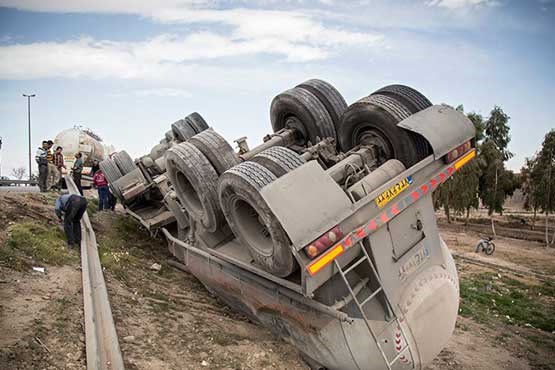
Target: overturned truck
{"type": "Point", "coordinates": [325, 233]}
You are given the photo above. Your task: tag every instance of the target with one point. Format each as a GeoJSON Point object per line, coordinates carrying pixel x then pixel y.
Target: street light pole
{"type": "Point", "coordinates": [29, 120]}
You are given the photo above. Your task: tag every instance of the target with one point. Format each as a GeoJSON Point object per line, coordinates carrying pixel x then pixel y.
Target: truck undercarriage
{"type": "Point", "coordinates": [325, 233]}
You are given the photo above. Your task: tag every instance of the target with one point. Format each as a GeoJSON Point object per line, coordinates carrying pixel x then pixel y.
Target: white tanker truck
{"type": "Point", "coordinates": [326, 232]}
{"type": "Point", "coordinates": [84, 140]}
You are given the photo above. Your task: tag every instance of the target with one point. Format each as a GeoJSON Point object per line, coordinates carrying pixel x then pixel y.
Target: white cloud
{"type": "Point", "coordinates": [462, 4]}
{"type": "Point", "coordinates": [162, 55]}
{"type": "Point", "coordinates": [290, 36]}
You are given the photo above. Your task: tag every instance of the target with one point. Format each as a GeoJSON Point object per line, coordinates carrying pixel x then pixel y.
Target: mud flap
{"type": "Point", "coordinates": [442, 126]}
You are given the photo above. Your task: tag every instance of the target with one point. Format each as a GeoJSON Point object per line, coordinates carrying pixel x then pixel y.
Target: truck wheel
{"type": "Point", "coordinates": [299, 109]}
{"type": "Point", "coordinates": [218, 151]}
{"type": "Point", "coordinates": [158, 151]}
{"type": "Point", "coordinates": [124, 162]}
{"type": "Point", "coordinates": [169, 136]}
{"type": "Point", "coordinates": [183, 130]}
{"type": "Point", "coordinates": [112, 173]}
{"type": "Point", "coordinates": [328, 96]}
{"type": "Point", "coordinates": [279, 160]}
{"type": "Point", "coordinates": [195, 182]}
{"type": "Point", "coordinates": [252, 221]}
{"type": "Point", "coordinates": [373, 120]}
{"type": "Point", "coordinates": [196, 121]}
{"type": "Point", "coordinates": [412, 99]}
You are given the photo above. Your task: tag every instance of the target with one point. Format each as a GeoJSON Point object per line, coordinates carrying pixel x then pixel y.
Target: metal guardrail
{"type": "Point", "coordinates": [18, 182]}
{"type": "Point", "coordinates": [101, 339]}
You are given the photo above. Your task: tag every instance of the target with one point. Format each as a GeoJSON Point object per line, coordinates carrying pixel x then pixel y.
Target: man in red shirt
{"type": "Point", "coordinates": [58, 161]}
{"type": "Point", "coordinates": [100, 182]}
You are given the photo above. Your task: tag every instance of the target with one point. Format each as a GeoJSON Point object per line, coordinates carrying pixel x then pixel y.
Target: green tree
{"type": "Point", "coordinates": [496, 183]}
{"type": "Point", "coordinates": [543, 177]}
{"type": "Point", "coordinates": [497, 130]}
{"type": "Point", "coordinates": [460, 193]}
{"type": "Point", "coordinates": [529, 188]}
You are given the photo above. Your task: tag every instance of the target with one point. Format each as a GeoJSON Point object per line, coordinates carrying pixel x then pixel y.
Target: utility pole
{"type": "Point", "coordinates": [29, 120]}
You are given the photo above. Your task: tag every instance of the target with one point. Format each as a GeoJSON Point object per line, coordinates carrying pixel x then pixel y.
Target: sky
{"type": "Point", "coordinates": [127, 69]}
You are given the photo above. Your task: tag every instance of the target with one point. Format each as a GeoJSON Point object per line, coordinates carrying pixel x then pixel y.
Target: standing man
{"type": "Point", "coordinates": [77, 171]}
{"type": "Point", "coordinates": [42, 160]}
{"type": "Point", "coordinates": [59, 164]}
{"type": "Point", "coordinates": [99, 182]}
{"type": "Point", "coordinates": [71, 207]}
{"type": "Point", "coordinates": [52, 170]}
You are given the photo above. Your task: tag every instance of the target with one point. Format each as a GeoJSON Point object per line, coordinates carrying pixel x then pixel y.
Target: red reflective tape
{"type": "Point", "coordinates": [384, 217]}
{"type": "Point", "coordinates": [348, 241]}
{"type": "Point", "coordinates": [372, 225]}
{"type": "Point", "coordinates": [415, 195]}
{"type": "Point", "coordinates": [442, 177]}
{"type": "Point", "coordinates": [450, 170]}
{"type": "Point", "coordinates": [361, 233]}
{"type": "Point", "coordinates": [394, 209]}
{"type": "Point", "coordinates": [424, 188]}
{"type": "Point", "coordinates": [434, 183]}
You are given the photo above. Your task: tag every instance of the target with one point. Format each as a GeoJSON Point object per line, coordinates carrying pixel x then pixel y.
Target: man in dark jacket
{"type": "Point", "coordinates": [71, 207]}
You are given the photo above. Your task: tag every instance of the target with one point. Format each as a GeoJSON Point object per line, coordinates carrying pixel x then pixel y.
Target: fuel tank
{"type": "Point", "coordinates": [79, 139]}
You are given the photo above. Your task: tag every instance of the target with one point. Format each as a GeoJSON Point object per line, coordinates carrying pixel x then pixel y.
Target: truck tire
{"type": "Point", "coordinates": [183, 130]}
{"type": "Point", "coordinates": [252, 221]}
{"type": "Point", "coordinates": [158, 151]}
{"type": "Point", "coordinates": [300, 109]}
{"type": "Point", "coordinates": [374, 120]}
{"type": "Point", "coordinates": [328, 96]}
{"type": "Point", "coordinates": [412, 99]}
{"type": "Point", "coordinates": [124, 162]}
{"type": "Point", "coordinates": [218, 151]}
{"type": "Point", "coordinates": [169, 136]}
{"type": "Point", "coordinates": [279, 160]}
{"type": "Point", "coordinates": [196, 121]}
{"type": "Point", "coordinates": [196, 184]}
{"type": "Point", "coordinates": [112, 173]}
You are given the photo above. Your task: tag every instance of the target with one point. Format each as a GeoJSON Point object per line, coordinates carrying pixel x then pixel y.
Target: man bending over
{"type": "Point", "coordinates": [71, 207]}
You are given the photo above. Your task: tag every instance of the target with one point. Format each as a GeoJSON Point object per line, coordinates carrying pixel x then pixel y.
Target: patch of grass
{"type": "Point", "coordinates": [486, 297]}
{"type": "Point", "coordinates": [117, 247]}
{"type": "Point", "coordinates": [92, 206]}
{"type": "Point", "coordinates": [31, 243]}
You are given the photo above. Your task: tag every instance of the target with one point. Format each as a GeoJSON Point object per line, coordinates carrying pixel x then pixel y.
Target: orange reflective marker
{"type": "Point", "coordinates": [325, 259]}
{"type": "Point", "coordinates": [464, 160]}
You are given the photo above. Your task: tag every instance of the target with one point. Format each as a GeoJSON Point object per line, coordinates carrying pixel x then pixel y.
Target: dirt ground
{"type": "Point", "coordinates": [167, 320]}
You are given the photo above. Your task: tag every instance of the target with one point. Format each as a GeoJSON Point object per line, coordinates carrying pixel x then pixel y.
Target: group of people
{"type": "Point", "coordinates": [51, 164]}
{"type": "Point", "coordinates": [70, 207]}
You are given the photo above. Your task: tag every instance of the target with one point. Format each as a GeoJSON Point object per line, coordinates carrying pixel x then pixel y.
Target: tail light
{"type": "Point", "coordinates": [458, 151]}
{"type": "Point", "coordinates": [324, 242]}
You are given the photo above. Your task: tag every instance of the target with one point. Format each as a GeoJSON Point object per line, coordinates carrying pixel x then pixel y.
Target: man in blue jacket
{"type": "Point", "coordinates": [71, 207]}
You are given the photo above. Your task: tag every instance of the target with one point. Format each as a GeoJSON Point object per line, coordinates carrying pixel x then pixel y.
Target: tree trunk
{"type": "Point", "coordinates": [534, 218]}
{"type": "Point", "coordinates": [548, 243]}
{"type": "Point", "coordinates": [467, 216]}
{"type": "Point", "coordinates": [492, 226]}
{"type": "Point", "coordinates": [447, 214]}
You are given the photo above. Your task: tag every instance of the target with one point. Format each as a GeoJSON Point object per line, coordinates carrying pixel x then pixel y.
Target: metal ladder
{"type": "Point", "coordinates": [360, 305]}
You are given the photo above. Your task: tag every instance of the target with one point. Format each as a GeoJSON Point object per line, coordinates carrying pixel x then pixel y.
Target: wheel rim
{"type": "Point", "coordinates": [366, 135]}
{"type": "Point", "coordinates": [250, 224]}
{"type": "Point", "coordinates": [301, 136]}
{"type": "Point", "coordinates": [188, 192]}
